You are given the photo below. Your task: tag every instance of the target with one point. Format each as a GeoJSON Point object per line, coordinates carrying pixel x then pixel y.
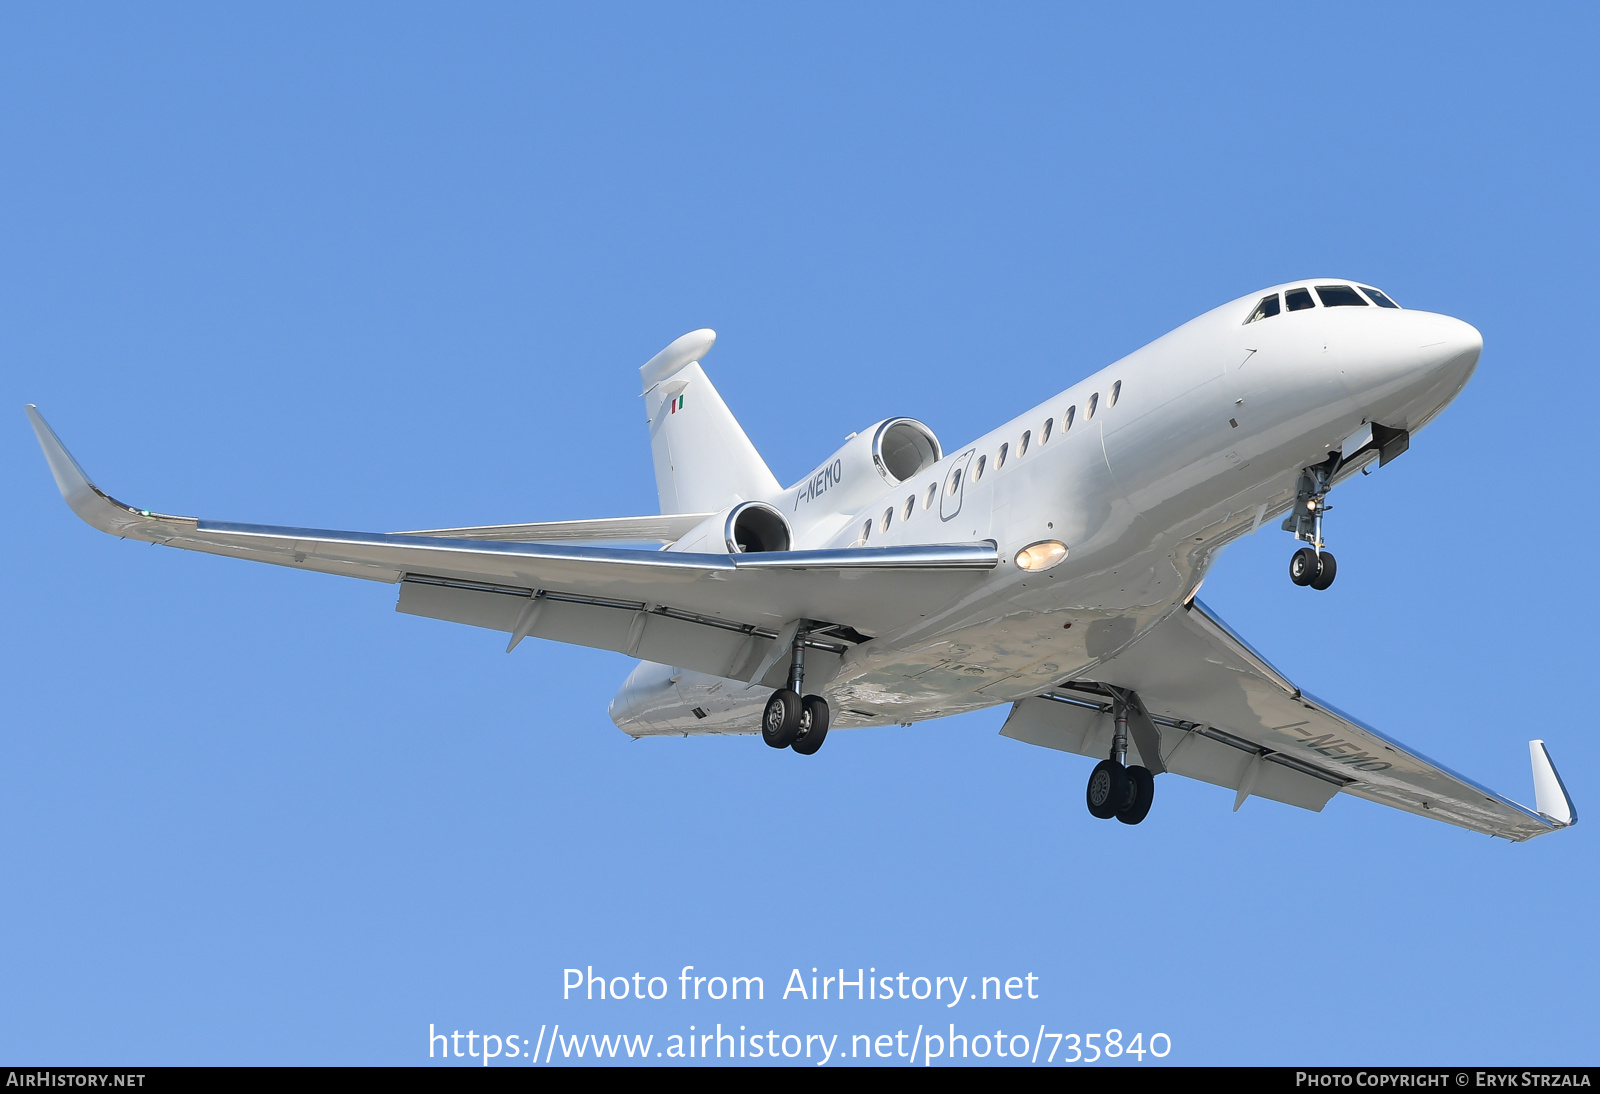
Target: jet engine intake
{"type": "Point", "coordinates": [883, 456]}
{"type": "Point", "coordinates": [756, 526]}
{"type": "Point", "coordinates": [902, 448]}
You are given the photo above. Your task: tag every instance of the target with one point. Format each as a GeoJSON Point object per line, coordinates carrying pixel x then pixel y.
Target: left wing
{"type": "Point", "coordinates": [665, 528]}
{"type": "Point", "coordinates": [1219, 712]}
{"type": "Point", "coordinates": [722, 614]}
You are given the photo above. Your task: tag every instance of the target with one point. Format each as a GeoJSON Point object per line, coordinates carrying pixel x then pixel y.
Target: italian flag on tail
{"type": "Point", "coordinates": [675, 405]}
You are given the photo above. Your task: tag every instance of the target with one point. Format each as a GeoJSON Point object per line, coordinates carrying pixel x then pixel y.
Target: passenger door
{"type": "Point", "coordinates": [955, 485]}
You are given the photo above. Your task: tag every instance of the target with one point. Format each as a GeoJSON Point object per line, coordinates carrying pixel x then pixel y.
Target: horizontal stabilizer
{"type": "Point", "coordinates": [685, 350]}
{"type": "Point", "coordinates": [1549, 792]}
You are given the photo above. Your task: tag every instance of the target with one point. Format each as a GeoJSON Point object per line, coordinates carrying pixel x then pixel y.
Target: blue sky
{"type": "Point", "coordinates": [395, 266]}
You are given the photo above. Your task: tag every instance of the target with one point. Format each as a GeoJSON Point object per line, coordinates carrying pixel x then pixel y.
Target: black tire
{"type": "Point", "coordinates": [1141, 792]}
{"type": "Point", "coordinates": [1108, 789]}
{"type": "Point", "coordinates": [780, 721]}
{"type": "Point", "coordinates": [1324, 576]}
{"type": "Point", "coordinates": [813, 725]}
{"type": "Point", "coordinates": [1303, 566]}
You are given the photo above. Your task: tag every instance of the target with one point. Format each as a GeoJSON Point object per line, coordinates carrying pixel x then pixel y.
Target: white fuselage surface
{"type": "Point", "coordinates": [1143, 470]}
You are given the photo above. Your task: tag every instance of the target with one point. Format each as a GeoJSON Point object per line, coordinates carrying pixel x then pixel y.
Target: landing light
{"type": "Point", "coordinates": [1041, 556]}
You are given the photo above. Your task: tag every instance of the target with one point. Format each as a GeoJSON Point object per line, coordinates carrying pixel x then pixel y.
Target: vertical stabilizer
{"type": "Point", "coordinates": [704, 461]}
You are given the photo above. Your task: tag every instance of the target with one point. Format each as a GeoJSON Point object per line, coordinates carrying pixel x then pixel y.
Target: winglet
{"type": "Point", "coordinates": [1549, 792]}
{"type": "Point", "coordinates": [74, 485]}
{"type": "Point", "coordinates": [95, 506]}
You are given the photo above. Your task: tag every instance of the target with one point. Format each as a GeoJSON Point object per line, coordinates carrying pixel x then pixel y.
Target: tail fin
{"type": "Point", "coordinates": [704, 461]}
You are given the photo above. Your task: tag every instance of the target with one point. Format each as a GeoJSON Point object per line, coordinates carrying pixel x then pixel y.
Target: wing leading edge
{"type": "Point", "coordinates": [710, 612]}
{"type": "Point", "coordinates": [665, 528]}
{"type": "Point", "coordinates": [1225, 715]}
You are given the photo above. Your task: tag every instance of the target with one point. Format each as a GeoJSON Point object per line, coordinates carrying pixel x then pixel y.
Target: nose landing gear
{"type": "Point", "coordinates": [790, 721]}
{"type": "Point", "coordinates": [1312, 565]}
{"type": "Point", "coordinates": [1308, 567]}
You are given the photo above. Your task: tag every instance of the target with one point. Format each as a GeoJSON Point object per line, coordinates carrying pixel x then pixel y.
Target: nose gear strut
{"type": "Point", "coordinates": [1312, 565]}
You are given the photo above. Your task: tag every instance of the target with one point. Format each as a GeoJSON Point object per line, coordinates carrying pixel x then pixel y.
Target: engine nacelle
{"type": "Point", "coordinates": [739, 529]}
{"type": "Point", "coordinates": [873, 460]}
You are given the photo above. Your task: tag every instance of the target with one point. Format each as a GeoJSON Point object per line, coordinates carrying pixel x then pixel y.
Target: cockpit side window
{"type": "Point", "coordinates": [1340, 296]}
{"type": "Point", "coordinates": [1267, 308]}
{"type": "Point", "coordinates": [1378, 298]}
{"type": "Point", "coordinates": [1298, 300]}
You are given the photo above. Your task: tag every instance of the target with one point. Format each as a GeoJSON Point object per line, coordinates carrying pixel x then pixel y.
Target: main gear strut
{"type": "Point", "coordinates": [1116, 790]}
{"type": "Point", "coordinates": [790, 721]}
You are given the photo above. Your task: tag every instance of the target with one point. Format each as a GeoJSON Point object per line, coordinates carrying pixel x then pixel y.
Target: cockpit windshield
{"type": "Point", "coordinates": [1331, 296]}
{"type": "Point", "coordinates": [1340, 296]}
{"type": "Point", "coordinates": [1267, 307]}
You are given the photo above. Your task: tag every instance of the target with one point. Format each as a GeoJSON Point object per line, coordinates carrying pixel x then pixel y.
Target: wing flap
{"type": "Point", "coordinates": [634, 628]}
{"type": "Point", "coordinates": [1076, 724]}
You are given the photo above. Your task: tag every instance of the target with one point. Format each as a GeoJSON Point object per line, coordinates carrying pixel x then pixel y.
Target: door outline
{"type": "Point", "coordinates": [950, 500]}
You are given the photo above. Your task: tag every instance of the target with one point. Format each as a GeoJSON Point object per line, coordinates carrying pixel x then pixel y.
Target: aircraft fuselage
{"type": "Point", "coordinates": [1144, 470]}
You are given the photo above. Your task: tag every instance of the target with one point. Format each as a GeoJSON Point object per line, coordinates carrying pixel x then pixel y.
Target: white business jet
{"type": "Point", "coordinates": [1051, 564]}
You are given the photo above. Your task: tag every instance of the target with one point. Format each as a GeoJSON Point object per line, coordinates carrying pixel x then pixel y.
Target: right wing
{"type": "Point", "coordinates": [729, 615]}
{"type": "Point", "coordinates": [1220, 713]}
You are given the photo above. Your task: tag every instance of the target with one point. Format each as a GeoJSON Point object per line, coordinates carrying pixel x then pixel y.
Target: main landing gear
{"type": "Point", "coordinates": [1116, 790]}
{"type": "Point", "coordinates": [1312, 565]}
{"type": "Point", "coordinates": [790, 721]}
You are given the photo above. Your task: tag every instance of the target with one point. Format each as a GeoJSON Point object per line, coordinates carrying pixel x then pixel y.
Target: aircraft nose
{"type": "Point", "coordinates": [1446, 342]}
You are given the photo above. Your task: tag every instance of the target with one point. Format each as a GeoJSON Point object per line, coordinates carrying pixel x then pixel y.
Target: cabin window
{"type": "Point", "coordinates": [1298, 299]}
{"type": "Point", "coordinates": [1022, 448]}
{"type": "Point", "coordinates": [888, 518]}
{"type": "Point", "coordinates": [866, 531]}
{"type": "Point", "coordinates": [1378, 298]}
{"type": "Point", "coordinates": [1116, 393]}
{"type": "Point", "coordinates": [933, 492]}
{"type": "Point", "coordinates": [1066, 419]}
{"type": "Point", "coordinates": [1266, 309]}
{"type": "Point", "coordinates": [1340, 296]}
{"type": "Point", "coordinates": [1000, 456]}
{"type": "Point", "coordinates": [955, 482]}
{"type": "Point", "coordinates": [1044, 434]}
{"type": "Point", "coordinates": [911, 507]}
{"type": "Point", "coordinates": [1094, 401]}
{"type": "Point", "coordinates": [977, 472]}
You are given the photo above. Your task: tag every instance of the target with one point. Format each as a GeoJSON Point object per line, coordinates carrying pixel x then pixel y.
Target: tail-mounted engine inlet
{"type": "Point", "coordinates": [756, 526]}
